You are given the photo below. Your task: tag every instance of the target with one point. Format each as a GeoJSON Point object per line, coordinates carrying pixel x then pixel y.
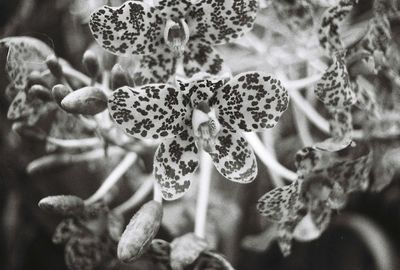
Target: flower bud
{"type": "Point", "coordinates": [62, 204]}
{"type": "Point", "coordinates": [91, 64]}
{"type": "Point", "coordinates": [140, 231]}
{"type": "Point", "coordinates": [185, 250]}
{"type": "Point", "coordinates": [119, 77]}
{"type": "Point", "coordinates": [59, 92]}
{"type": "Point", "coordinates": [87, 100]}
{"type": "Point", "coordinates": [40, 92]}
{"type": "Point", "coordinates": [54, 66]}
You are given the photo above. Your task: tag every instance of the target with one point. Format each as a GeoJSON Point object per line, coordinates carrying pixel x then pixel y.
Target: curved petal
{"type": "Point", "coordinates": [131, 28]}
{"type": "Point", "coordinates": [201, 57]}
{"type": "Point", "coordinates": [334, 89]}
{"type": "Point", "coordinates": [175, 162]}
{"type": "Point", "coordinates": [282, 203]}
{"type": "Point", "coordinates": [149, 112]}
{"type": "Point", "coordinates": [156, 68]}
{"type": "Point", "coordinates": [218, 22]}
{"type": "Point", "coordinates": [251, 101]}
{"type": "Point", "coordinates": [234, 158]}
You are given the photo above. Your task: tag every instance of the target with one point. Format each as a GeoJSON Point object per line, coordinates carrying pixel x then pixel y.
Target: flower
{"type": "Point", "coordinates": [206, 113]}
{"type": "Point", "coordinates": [324, 184]}
{"type": "Point", "coordinates": [90, 237]}
{"type": "Point", "coordinates": [172, 28]}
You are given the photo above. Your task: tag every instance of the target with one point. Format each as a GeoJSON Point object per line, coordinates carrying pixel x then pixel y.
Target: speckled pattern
{"type": "Point", "coordinates": [161, 111]}
{"type": "Point", "coordinates": [328, 33]}
{"type": "Point", "coordinates": [334, 89]}
{"type": "Point", "coordinates": [136, 28]}
{"type": "Point", "coordinates": [296, 15]}
{"type": "Point", "coordinates": [251, 101]}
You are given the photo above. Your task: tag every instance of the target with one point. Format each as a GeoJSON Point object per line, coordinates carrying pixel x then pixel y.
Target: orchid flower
{"type": "Point", "coordinates": [323, 184]}
{"type": "Point", "coordinates": [162, 33]}
{"type": "Point", "coordinates": [207, 114]}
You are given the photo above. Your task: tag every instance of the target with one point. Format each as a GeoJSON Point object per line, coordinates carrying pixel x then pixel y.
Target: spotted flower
{"type": "Point", "coordinates": [323, 184]}
{"type": "Point", "coordinates": [90, 237]}
{"type": "Point", "coordinates": [172, 28]}
{"type": "Point", "coordinates": [206, 113]}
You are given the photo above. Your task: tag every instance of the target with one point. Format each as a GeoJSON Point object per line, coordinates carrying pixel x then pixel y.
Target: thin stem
{"type": "Point", "coordinates": [113, 178]}
{"type": "Point", "coordinates": [268, 138]}
{"type": "Point", "coordinates": [78, 143]}
{"type": "Point", "coordinates": [143, 191]}
{"type": "Point", "coordinates": [157, 195]}
{"type": "Point", "coordinates": [202, 195]}
{"type": "Point", "coordinates": [302, 126]}
{"type": "Point", "coordinates": [268, 159]}
{"type": "Point", "coordinates": [54, 160]}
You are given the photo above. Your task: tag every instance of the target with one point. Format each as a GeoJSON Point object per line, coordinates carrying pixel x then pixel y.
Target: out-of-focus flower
{"type": "Point", "coordinates": [324, 184]}
{"type": "Point", "coordinates": [172, 28]}
{"type": "Point", "coordinates": [206, 113]}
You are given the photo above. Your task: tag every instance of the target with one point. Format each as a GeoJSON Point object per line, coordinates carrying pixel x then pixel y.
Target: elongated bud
{"type": "Point", "coordinates": [87, 100]}
{"type": "Point", "coordinates": [119, 77]}
{"type": "Point", "coordinates": [54, 66]}
{"type": "Point", "coordinates": [91, 64]}
{"type": "Point", "coordinates": [185, 250]}
{"type": "Point", "coordinates": [59, 92]}
{"type": "Point", "coordinates": [140, 231]}
{"type": "Point", "coordinates": [63, 204]}
{"type": "Point", "coordinates": [40, 92]}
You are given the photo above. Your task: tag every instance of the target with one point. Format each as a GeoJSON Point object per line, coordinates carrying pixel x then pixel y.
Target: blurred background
{"type": "Point", "coordinates": [365, 235]}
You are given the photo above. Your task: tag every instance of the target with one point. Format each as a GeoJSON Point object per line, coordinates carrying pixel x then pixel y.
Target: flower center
{"type": "Point", "coordinates": [176, 35]}
{"type": "Point", "coordinates": [205, 126]}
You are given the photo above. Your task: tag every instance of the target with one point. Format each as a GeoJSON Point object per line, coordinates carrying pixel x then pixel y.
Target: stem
{"type": "Point", "coordinates": [202, 195]}
{"type": "Point", "coordinates": [69, 71]}
{"type": "Point", "coordinates": [268, 159]}
{"type": "Point", "coordinates": [54, 160]}
{"type": "Point", "coordinates": [302, 126]}
{"type": "Point", "coordinates": [140, 194]}
{"type": "Point", "coordinates": [78, 143]}
{"type": "Point", "coordinates": [301, 83]}
{"type": "Point", "coordinates": [375, 239]}
{"type": "Point", "coordinates": [268, 138]}
{"type": "Point", "coordinates": [113, 178]}
{"type": "Point", "coordinates": [157, 195]}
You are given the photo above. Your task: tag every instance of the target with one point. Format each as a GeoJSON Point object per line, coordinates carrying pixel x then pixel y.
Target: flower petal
{"type": "Point", "coordinates": [155, 68]}
{"type": "Point", "coordinates": [221, 21]}
{"type": "Point", "coordinates": [251, 101]}
{"type": "Point", "coordinates": [173, 9]}
{"type": "Point", "coordinates": [328, 34]}
{"type": "Point", "coordinates": [151, 111]}
{"type": "Point", "coordinates": [25, 54]}
{"type": "Point", "coordinates": [131, 28]}
{"type": "Point", "coordinates": [201, 57]}
{"type": "Point", "coordinates": [306, 160]}
{"type": "Point", "coordinates": [175, 161]}
{"type": "Point", "coordinates": [233, 157]}
{"type": "Point", "coordinates": [296, 15]}
{"type": "Point", "coordinates": [334, 89]}
{"type": "Point", "coordinates": [282, 203]}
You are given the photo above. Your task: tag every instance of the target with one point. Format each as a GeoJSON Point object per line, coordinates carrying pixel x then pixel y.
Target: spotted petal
{"type": "Point", "coordinates": [155, 68]}
{"type": "Point", "coordinates": [328, 32]}
{"type": "Point", "coordinates": [151, 111]}
{"type": "Point", "coordinates": [218, 22]}
{"type": "Point", "coordinates": [233, 157]}
{"type": "Point", "coordinates": [25, 54]}
{"type": "Point", "coordinates": [282, 203]}
{"type": "Point", "coordinates": [175, 161]}
{"type": "Point", "coordinates": [173, 9]}
{"type": "Point", "coordinates": [251, 101]}
{"type": "Point", "coordinates": [307, 159]}
{"type": "Point", "coordinates": [334, 88]}
{"type": "Point", "coordinates": [131, 28]}
{"type": "Point", "coordinates": [201, 57]}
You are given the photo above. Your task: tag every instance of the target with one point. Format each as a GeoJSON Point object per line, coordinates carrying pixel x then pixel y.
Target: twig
{"type": "Point", "coordinates": [143, 191]}
{"type": "Point", "coordinates": [202, 195]}
{"type": "Point", "coordinates": [157, 195]}
{"type": "Point", "coordinates": [268, 138]}
{"type": "Point", "coordinates": [268, 159]}
{"type": "Point", "coordinates": [113, 178]}
{"type": "Point", "coordinates": [54, 160]}
{"type": "Point", "coordinates": [302, 126]}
